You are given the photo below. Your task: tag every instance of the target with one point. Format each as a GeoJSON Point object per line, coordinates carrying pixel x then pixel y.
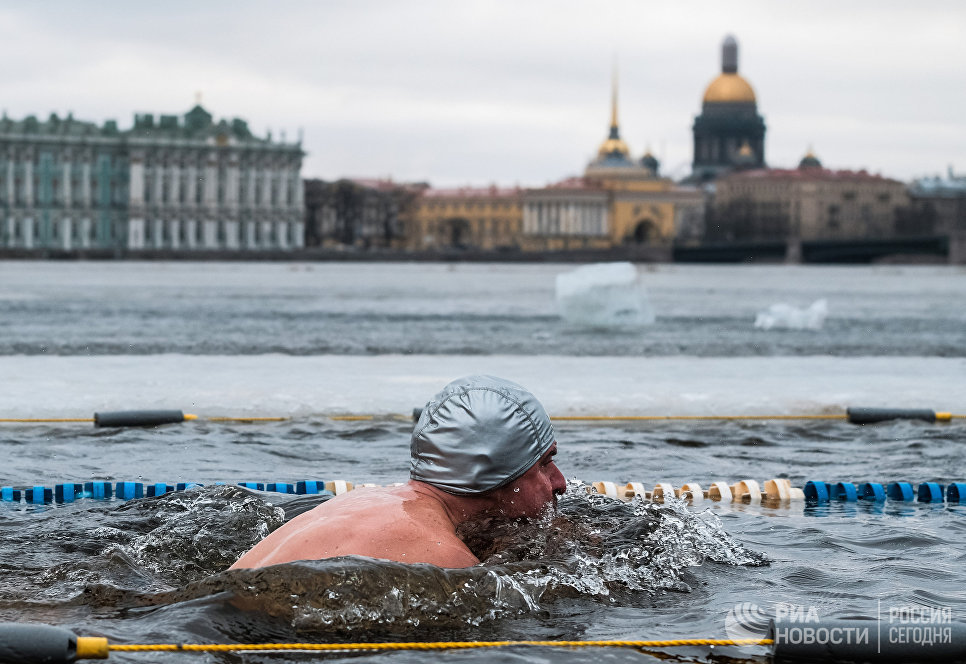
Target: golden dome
{"type": "Point", "coordinates": [729, 88]}
{"type": "Point", "coordinates": [613, 145]}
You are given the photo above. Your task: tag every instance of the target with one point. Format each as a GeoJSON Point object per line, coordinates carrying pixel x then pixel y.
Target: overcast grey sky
{"type": "Point", "coordinates": [474, 92]}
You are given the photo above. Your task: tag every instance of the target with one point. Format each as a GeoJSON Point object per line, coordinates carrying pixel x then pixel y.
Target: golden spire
{"type": "Point", "coordinates": [613, 146]}
{"type": "Point", "coordinates": [613, 97]}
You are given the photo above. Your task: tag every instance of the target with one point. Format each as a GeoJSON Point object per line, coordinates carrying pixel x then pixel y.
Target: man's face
{"type": "Point", "coordinates": [531, 493]}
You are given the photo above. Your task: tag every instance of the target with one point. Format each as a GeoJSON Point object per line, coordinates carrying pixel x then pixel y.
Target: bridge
{"type": "Point", "coordinates": [867, 250]}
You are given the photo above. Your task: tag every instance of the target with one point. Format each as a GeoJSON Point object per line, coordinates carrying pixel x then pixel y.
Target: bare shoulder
{"type": "Point", "coordinates": [392, 523]}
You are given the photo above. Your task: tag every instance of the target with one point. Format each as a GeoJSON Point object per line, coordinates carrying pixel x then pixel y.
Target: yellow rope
{"type": "Point", "coordinates": [439, 645]}
{"type": "Point", "coordinates": [247, 419]}
{"type": "Point", "coordinates": [605, 418]}
{"type": "Point", "coordinates": [559, 418]}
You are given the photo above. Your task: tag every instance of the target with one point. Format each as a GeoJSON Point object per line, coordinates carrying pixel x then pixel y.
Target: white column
{"type": "Point", "coordinates": [66, 230]}
{"type": "Point", "coordinates": [266, 183]}
{"type": "Point", "coordinates": [136, 181]}
{"type": "Point", "coordinates": [135, 233]}
{"type": "Point", "coordinates": [249, 201]}
{"type": "Point", "coordinates": [232, 235]}
{"type": "Point", "coordinates": [174, 190]}
{"type": "Point", "coordinates": [85, 191]}
{"type": "Point", "coordinates": [11, 193]}
{"type": "Point", "coordinates": [28, 180]}
{"type": "Point", "coordinates": [299, 203]}
{"type": "Point", "coordinates": [191, 185]}
{"type": "Point", "coordinates": [85, 233]}
{"type": "Point", "coordinates": [174, 233]}
{"type": "Point", "coordinates": [158, 184]}
{"type": "Point", "coordinates": [231, 184]}
{"type": "Point", "coordinates": [190, 233]}
{"type": "Point", "coordinates": [27, 231]}
{"type": "Point", "coordinates": [209, 237]}
{"type": "Point", "coordinates": [210, 192]}
{"type": "Point", "coordinates": [67, 187]}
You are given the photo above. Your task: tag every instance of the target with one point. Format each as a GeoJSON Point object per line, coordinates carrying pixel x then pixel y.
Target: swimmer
{"type": "Point", "coordinates": [482, 448]}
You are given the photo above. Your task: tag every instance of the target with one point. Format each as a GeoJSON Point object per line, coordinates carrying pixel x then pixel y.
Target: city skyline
{"type": "Point", "coordinates": [481, 92]}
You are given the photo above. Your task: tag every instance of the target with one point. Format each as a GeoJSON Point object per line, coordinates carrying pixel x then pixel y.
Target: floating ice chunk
{"type": "Point", "coordinates": [603, 295]}
{"type": "Point", "coordinates": [785, 316]}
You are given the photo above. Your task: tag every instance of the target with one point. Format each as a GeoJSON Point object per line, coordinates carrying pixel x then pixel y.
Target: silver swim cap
{"type": "Point", "coordinates": [478, 434]}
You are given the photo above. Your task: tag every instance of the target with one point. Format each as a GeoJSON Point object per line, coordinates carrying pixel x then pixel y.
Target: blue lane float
{"type": "Point", "coordinates": [930, 492]}
{"type": "Point", "coordinates": [312, 488]}
{"type": "Point", "coordinates": [872, 491]}
{"type": "Point", "coordinates": [38, 495]}
{"type": "Point", "coordinates": [68, 493]}
{"type": "Point", "coordinates": [158, 489]}
{"type": "Point", "coordinates": [901, 491]}
{"type": "Point", "coordinates": [9, 495]}
{"type": "Point", "coordinates": [817, 491]}
{"type": "Point", "coordinates": [956, 492]}
{"type": "Point", "coordinates": [101, 490]}
{"type": "Point", "coordinates": [844, 492]}
{"type": "Point", "coordinates": [129, 490]}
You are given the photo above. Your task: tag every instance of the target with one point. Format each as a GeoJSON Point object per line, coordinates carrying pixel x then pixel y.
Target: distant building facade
{"type": "Point", "coordinates": [168, 183]}
{"type": "Point", "coordinates": [572, 214]}
{"type": "Point", "coordinates": [357, 212]}
{"type": "Point", "coordinates": [937, 206]}
{"type": "Point", "coordinates": [619, 201]}
{"type": "Point", "coordinates": [487, 218]}
{"type": "Point", "coordinates": [729, 132]}
{"type": "Point", "coordinates": [806, 203]}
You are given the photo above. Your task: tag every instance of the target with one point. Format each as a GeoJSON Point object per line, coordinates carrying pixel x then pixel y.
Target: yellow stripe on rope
{"type": "Point", "coordinates": [246, 419]}
{"type": "Point", "coordinates": [607, 418]}
{"type": "Point", "coordinates": [439, 645]}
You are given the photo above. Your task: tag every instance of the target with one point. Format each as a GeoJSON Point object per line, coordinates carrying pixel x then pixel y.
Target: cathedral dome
{"type": "Point", "coordinates": [809, 161]}
{"type": "Point", "coordinates": [613, 147]}
{"type": "Point", "coordinates": [729, 88]}
{"type": "Point", "coordinates": [650, 162]}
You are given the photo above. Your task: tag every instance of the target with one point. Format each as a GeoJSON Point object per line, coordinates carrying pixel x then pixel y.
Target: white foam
{"type": "Point", "coordinates": [603, 295]}
{"type": "Point", "coordinates": [785, 316]}
{"type": "Point", "coordinates": [282, 385]}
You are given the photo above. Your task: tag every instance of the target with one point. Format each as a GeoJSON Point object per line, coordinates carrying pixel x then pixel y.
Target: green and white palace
{"type": "Point", "coordinates": [168, 183]}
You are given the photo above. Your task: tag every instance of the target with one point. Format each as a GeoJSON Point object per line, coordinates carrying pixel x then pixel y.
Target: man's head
{"type": "Point", "coordinates": [481, 433]}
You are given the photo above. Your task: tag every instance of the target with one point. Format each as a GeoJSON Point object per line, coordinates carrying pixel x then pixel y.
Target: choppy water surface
{"type": "Point", "coordinates": [154, 570]}
{"type": "Point", "coordinates": [306, 309]}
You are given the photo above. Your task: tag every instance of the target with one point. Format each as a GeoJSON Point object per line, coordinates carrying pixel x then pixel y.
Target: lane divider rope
{"type": "Point", "coordinates": [749, 491]}
{"type": "Point", "coordinates": [151, 418]}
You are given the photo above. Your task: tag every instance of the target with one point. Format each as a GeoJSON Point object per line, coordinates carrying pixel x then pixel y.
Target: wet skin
{"type": "Point", "coordinates": [413, 523]}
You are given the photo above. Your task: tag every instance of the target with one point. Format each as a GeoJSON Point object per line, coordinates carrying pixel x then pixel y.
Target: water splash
{"type": "Point", "coordinates": [173, 551]}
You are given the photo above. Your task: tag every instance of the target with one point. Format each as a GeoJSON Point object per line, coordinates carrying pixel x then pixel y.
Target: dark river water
{"type": "Point", "coordinates": [153, 570]}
